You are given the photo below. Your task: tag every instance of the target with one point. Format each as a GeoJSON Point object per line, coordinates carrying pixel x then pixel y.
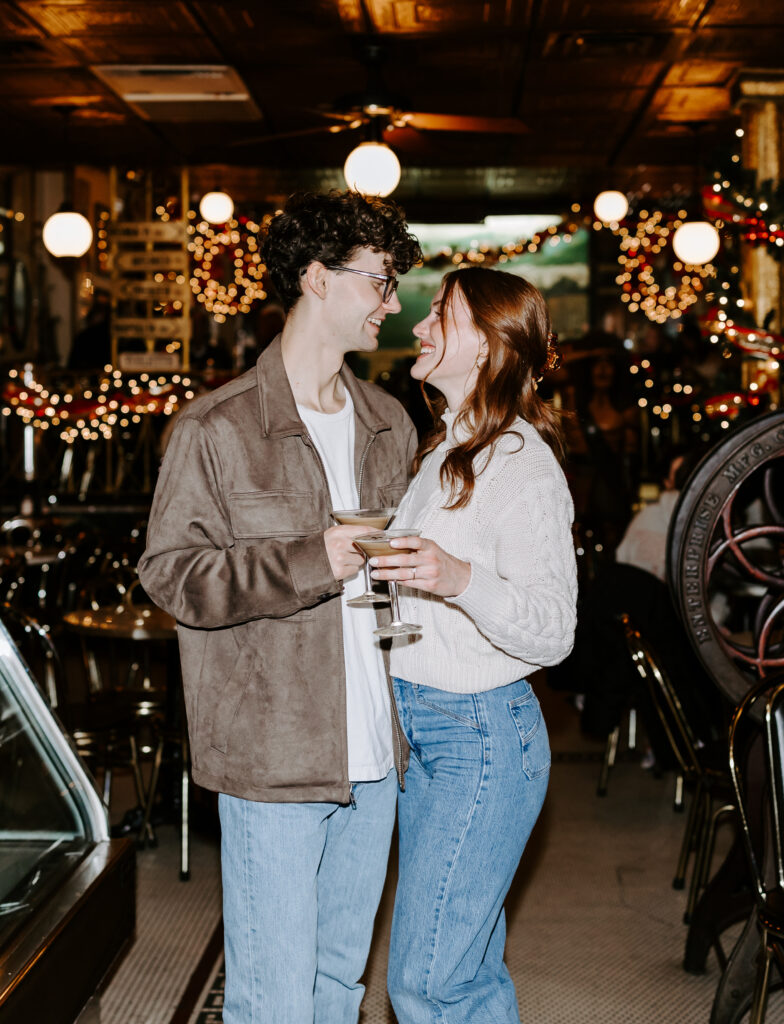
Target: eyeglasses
{"type": "Point", "coordinates": [390, 281]}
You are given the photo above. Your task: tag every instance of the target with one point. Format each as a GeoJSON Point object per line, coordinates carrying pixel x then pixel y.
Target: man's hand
{"type": "Point", "coordinates": [345, 560]}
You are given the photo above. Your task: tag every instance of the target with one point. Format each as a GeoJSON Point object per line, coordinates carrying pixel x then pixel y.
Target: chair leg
{"type": "Point", "coordinates": [610, 750]}
{"type": "Point", "coordinates": [146, 832]}
{"type": "Point", "coordinates": [688, 843]}
{"type": "Point", "coordinates": [761, 983]}
{"type": "Point", "coordinates": [185, 869]}
{"type": "Point", "coordinates": [710, 845]}
{"type": "Point", "coordinates": [677, 803]}
{"type": "Point", "coordinates": [138, 782]}
{"type": "Point", "coordinates": [701, 835]}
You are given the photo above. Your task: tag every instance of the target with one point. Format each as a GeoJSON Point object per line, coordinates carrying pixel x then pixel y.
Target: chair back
{"type": "Point", "coordinates": [38, 652]}
{"type": "Point", "coordinates": [760, 795]}
{"type": "Point", "coordinates": [664, 696]}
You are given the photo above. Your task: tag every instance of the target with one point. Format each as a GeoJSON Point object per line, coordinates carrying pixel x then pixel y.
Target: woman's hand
{"type": "Point", "coordinates": [423, 566]}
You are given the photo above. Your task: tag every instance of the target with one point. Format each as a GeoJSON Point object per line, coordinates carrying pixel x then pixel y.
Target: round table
{"type": "Point", "coordinates": [124, 622]}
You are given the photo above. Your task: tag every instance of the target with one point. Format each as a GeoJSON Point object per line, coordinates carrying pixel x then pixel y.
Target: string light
{"type": "Point", "coordinates": [227, 274]}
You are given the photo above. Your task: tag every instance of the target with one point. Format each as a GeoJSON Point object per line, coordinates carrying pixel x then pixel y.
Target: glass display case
{"type": "Point", "coordinates": [66, 889]}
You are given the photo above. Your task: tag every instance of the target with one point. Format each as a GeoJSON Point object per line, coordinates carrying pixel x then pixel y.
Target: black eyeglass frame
{"type": "Point", "coordinates": [391, 281]}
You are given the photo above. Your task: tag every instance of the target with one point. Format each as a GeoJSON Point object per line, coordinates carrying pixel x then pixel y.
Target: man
{"type": "Point", "coordinates": [288, 700]}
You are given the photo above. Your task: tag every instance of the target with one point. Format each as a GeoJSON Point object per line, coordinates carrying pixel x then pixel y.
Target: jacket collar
{"type": "Point", "coordinates": [279, 416]}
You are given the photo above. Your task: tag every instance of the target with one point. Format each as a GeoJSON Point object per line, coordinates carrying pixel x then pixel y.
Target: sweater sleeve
{"type": "Point", "coordinates": [523, 596]}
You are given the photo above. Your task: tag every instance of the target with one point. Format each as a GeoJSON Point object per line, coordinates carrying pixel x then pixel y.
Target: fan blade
{"type": "Point", "coordinates": [332, 129]}
{"type": "Point", "coordinates": [464, 123]}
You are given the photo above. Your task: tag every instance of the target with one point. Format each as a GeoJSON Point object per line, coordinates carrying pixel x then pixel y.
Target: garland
{"type": "Point", "coordinates": [228, 274]}
{"type": "Point", "coordinates": [640, 289]}
{"type": "Point", "coordinates": [94, 412]}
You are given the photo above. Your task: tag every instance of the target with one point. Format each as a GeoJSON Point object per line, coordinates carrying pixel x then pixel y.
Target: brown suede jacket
{"type": "Point", "coordinates": [235, 552]}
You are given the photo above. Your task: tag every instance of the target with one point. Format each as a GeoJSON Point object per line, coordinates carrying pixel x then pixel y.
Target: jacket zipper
{"type": "Point", "coordinates": [396, 728]}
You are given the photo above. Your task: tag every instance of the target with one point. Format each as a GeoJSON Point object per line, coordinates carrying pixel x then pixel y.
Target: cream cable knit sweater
{"type": "Point", "coordinates": [518, 611]}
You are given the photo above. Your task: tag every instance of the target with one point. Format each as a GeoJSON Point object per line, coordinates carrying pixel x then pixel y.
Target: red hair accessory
{"type": "Point", "coordinates": [553, 359]}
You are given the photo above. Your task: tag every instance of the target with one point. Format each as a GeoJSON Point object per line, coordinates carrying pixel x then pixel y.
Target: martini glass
{"type": "Point", "coordinates": [374, 544]}
{"type": "Point", "coordinates": [374, 519]}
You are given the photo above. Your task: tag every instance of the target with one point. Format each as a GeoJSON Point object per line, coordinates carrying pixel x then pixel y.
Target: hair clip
{"type": "Point", "coordinates": [553, 357]}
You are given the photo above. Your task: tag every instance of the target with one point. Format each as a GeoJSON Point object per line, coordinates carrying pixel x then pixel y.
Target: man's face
{"type": "Point", "coordinates": [356, 305]}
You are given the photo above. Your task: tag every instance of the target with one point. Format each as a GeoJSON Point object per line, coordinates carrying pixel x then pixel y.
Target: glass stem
{"type": "Point", "coordinates": [368, 582]}
{"type": "Point", "coordinates": [395, 607]}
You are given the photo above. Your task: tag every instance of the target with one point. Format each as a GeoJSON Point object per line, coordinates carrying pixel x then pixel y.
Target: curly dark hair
{"type": "Point", "coordinates": [331, 227]}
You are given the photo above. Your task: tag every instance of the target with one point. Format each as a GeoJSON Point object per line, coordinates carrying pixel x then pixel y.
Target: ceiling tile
{"type": "Point", "coordinates": [701, 72]}
{"type": "Point", "coordinates": [75, 18]}
{"type": "Point", "coordinates": [767, 13]}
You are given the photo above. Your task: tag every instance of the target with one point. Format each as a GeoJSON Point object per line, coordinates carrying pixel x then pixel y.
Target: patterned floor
{"type": "Point", "coordinates": [595, 928]}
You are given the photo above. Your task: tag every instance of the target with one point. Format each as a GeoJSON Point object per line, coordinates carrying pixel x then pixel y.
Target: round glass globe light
{"type": "Point", "coordinates": [216, 207]}
{"type": "Point", "coordinates": [696, 242]}
{"type": "Point", "coordinates": [372, 169]}
{"type": "Point", "coordinates": [67, 234]}
{"type": "Point", "coordinates": [610, 206]}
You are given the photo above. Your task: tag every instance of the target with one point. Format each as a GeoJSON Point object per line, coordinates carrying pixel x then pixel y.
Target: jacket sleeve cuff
{"type": "Point", "coordinates": [310, 570]}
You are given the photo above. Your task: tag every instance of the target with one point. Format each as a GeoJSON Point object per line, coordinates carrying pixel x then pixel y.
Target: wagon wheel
{"type": "Point", "coordinates": [725, 548]}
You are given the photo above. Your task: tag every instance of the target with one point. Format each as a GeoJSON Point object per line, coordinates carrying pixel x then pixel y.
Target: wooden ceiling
{"type": "Point", "coordinates": [596, 91]}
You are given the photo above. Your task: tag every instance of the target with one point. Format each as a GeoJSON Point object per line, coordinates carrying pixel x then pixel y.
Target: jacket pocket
{"type": "Point", "coordinates": [392, 494]}
{"type": "Point", "coordinates": [273, 514]}
{"type": "Point", "coordinates": [527, 717]}
{"type": "Point", "coordinates": [231, 699]}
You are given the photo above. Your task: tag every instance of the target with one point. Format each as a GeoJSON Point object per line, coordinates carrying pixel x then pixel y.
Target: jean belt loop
{"type": "Point", "coordinates": [351, 798]}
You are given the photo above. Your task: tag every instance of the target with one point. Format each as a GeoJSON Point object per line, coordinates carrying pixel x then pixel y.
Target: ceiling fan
{"type": "Point", "coordinates": [378, 111]}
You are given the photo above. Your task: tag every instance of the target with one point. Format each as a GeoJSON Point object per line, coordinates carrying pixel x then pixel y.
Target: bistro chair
{"type": "Point", "coordinates": [763, 838]}
{"type": "Point", "coordinates": [703, 766]}
{"type": "Point", "coordinates": [102, 732]}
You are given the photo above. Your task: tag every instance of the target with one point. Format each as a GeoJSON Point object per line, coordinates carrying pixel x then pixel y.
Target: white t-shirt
{"type": "Point", "coordinates": [369, 723]}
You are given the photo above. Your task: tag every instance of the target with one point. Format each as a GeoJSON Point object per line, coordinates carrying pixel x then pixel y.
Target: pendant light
{"type": "Point", "coordinates": [696, 241]}
{"type": "Point", "coordinates": [372, 168]}
{"type": "Point", "coordinates": [610, 206]}
{"type": "Point", "coordinates": [216, 207]}
{"type": "Point", "coordinates": [67, 233]}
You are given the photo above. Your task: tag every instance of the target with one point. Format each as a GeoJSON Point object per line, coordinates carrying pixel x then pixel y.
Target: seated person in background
{"type": "Point", "coordinates": [645, 542]}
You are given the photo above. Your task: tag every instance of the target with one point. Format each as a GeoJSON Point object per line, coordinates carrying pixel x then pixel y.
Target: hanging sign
{"type": "Point", "coordinates": [149, 231]}
{"type": "Point", "coordinates": [161, 259]}
{"type": "Point", "coordinates": [161, 327]}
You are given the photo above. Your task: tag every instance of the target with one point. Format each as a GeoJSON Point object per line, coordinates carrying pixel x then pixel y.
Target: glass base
{"type": "Point", "coordinates": [398, 629]}
{"type": "Point", "coordinates": [367, 600]}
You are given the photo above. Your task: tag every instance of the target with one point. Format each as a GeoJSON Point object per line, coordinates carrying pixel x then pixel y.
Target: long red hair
{"type": "Point", "coordinates": [513, 316]}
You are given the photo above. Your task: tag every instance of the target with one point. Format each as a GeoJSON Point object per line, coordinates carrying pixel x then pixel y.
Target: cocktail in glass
{"type": "Point", "coordinates": [375, 544]}
{"type": "Point", "coordinates": [374, 519]}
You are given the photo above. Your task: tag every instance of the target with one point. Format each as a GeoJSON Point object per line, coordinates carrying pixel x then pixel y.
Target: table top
{"type": "Point", "coordinates": [33, 554]}
{"type": "Point", "coordinates": [123, 621]}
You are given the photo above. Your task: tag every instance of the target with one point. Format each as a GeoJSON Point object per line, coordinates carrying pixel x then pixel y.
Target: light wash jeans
{"type": "Point", "coordinates": [301, 886]}
{"type": "Point", "coordinates": [475, 786]}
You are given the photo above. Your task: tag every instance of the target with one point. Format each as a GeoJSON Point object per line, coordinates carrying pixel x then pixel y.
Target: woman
{"type": "Point", "coordinates": [492, 581]}
{"type": "Point", "coordinates": [602, 439]}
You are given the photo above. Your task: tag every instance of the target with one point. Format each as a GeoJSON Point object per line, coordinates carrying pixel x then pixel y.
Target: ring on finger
{"type": "Point", "coordinates": [413, 572]}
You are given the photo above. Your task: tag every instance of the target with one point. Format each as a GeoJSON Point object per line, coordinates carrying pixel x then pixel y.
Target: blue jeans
{"type": "Point", "coordinates": [477, 780]}
{"type": "Point", "coordinates": [301, 886]}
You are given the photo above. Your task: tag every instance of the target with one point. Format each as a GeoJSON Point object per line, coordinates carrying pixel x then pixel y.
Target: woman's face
{"type": "Point", "coordinates": [452, 349]}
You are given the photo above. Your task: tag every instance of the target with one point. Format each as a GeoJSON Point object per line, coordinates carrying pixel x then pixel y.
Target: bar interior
{"type": "Point", "coordinates": [625, 158]}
